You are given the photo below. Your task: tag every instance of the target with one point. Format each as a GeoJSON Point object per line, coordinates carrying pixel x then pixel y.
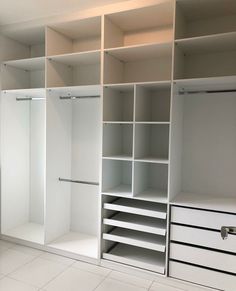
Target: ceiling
{"type": "Point", "coordinates": [15, 11]}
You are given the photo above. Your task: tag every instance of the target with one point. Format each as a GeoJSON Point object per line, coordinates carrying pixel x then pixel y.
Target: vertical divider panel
{"type": "Point", "coordinates": [133, 164]}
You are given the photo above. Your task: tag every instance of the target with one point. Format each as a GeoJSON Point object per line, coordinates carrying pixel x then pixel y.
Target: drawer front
{"type": "Point", "coordinates": [202, 276]}
{"type": "Point", "coordinates": [202, 257]}
{"type": "Point", "coordinates": [202, 237]}
{"type": "Point", "coordinates": [202, 218]}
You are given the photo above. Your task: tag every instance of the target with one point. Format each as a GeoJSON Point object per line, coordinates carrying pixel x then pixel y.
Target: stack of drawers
{"type": "Point", "coordinates": [198, 253]}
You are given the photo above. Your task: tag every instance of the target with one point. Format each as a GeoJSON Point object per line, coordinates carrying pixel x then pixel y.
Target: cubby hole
{"type": "Point", "coordinates": [74, 36]}
{"type": "Point", "coordinates": [117, 177]}
{"type": "Point", "coordinates": [198, 18]}
{"type": "Point", "coordinates": [118, 103]}
{"type": "Point", "coordinates": [152, 142]}
{"type": "Point", "coordinates": [152, 63]}
{"type": "Point", "coordinates": [151, 181]}
{"type": "Point", "coordinates": [118, 141]}
{"type": "Point", "coordinates": [74, 70]}
{"type": "Point", "coordinates": [139, 26]}
{"type": "Point", "coordinates": [153, 103]}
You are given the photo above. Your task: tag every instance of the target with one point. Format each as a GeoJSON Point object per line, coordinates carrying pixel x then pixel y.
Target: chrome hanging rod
{"type": "Point", "coordinates": [29, 98]}
{"type": "Point", "coordinates": [79, 97]}
{"type": "Point", "coordinates": [78, 181]}
{"type": "Point", "coordinates": [182, 92]}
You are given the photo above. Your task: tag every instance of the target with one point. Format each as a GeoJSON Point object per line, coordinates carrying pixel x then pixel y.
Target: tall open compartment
{"type": "Point", "coordinates": [23, 158]}
{"type": "Point", "coordinates": [73, 150]}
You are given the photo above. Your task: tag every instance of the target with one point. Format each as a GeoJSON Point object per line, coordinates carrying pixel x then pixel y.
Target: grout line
{"type": "Point", "coordinates": [103, 280]}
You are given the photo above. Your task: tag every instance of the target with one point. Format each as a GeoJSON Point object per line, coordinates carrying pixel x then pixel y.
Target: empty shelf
{"type": "Point", "coordinates": [138, 207]}
{"type": "Point", "coordinates": [134, 256]}
{"type": "Point", "coordinates": [88, 90]}
{"type": "Point", "coordinates": [37, 92]}
{"type": "Point", "coordinates": [150, 159]}
{"type": "Point", "coordinates": [118, 157]}
{"type": "Point", "coordinates": [31, 64]}
{"type": "Point", "coordinates": [77, 243]}
{"type": "Point", "coordinates": [123, 190]}
{"type": "Point", "coordinates": [32, 232]}
{"type": "Point", "coordinates": [137, 222]}
{"type": "Point", "coordinates": [153, 195]}
{"type": "Point", "coordinates": [137, 238]}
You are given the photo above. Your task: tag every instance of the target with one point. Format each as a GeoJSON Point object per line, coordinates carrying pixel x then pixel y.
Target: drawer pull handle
{"type": "Point", "coordinates": [225, 230]}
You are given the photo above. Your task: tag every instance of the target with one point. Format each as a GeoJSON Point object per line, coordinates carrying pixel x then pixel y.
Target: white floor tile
{"type": "Point", "coordinates": [8, 284]}
{"type": "Point", "coordinates": [134, 280]}
{"type": "Point", "coordinates": [91, 268]}
{"type": "Point", "coordinates": [161, 287]}
{"type": "Point", "coordinates": [57, 259]}
{"type": "Point", "coordinates": [4, 245]}
{"type": "Point", "coordinates": [114, 285]}
{"type": "Point", "coordinates": [11, 260]}
{"type": "Point", "coordinates": [27, 250]}
{"type": "Point", "coordinates": [38, 272]}
{"type": "Point", "coordinates": [75, 280]}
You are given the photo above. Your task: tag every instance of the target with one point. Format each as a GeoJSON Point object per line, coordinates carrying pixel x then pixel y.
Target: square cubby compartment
{"type": "Point", "coordinates": [153, 102]}
{"type": "Point", "coordinates": [151, 181]}
{"type": "Point", "coordinates": [117, 178]}
{"type": "Point", "coordinates": [152, 142]}
{"type": "Point", "coordinates": [118, 141]}
{"type": "Point", "coordinates": [118, 103]}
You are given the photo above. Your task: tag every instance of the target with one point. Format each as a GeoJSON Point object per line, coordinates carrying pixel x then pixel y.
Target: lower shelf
{"type": "Point", "coordinates": [153, 195]}
{"type": "Point", "coordinates": [121, 190]}
{"type": "Point", "coordinates": [31, 232]}
{"type": "Point", "coordinates": [77, 243]}
{"type": "Point", "coordinates": [137, 257]}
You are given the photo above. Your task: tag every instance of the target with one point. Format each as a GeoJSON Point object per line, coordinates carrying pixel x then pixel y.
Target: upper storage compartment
{"type": "Point", "coordinates": [153, 24]}
{"type": "Point", "coordinates": [75, 36]}
{"type": "Point", "coordinates": [22, 43]}
{"type": "Point", "coordinates": [204, 17]}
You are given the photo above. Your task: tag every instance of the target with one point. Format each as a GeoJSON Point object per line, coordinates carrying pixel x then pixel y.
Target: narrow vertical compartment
{"type": "Point", "coordinates": [23, 153]}
{"type": "Point", "coordinates": [73, 147]}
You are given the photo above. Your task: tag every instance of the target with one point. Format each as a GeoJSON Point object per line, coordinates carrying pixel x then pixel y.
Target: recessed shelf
{"type": "Point", "coordinates": [137, 238]}
{"type": "Point", "coordinates": [77, 243]}
{"type": "Point", "coordinates": [138, 207]}
{"type": "Point", "coordinates": [137, 222]}
{"type": "Point", "coordinates": [151, 181]}
{"type": "Point", "coordinates": [74, 36]}
{"type": "Point", "coordinates": [152, 142]}
{"type": "Point", "coordinates": [138, 257]}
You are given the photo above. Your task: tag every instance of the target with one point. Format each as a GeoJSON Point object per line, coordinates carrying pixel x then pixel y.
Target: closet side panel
{"type": "Point", "coordinates": [15, 160]}
{"type": "Point", "coordinates": [58, 153]}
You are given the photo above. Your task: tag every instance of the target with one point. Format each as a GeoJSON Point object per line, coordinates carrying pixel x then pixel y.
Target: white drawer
{"type": "Point", "coordinates": [202, 276]}
{"type": "Point", "coordinates": [203, 257]}
{"type": "Point", "coordinates": [202, 218]}
{"type": "Point", "coordinates": [202, 237]}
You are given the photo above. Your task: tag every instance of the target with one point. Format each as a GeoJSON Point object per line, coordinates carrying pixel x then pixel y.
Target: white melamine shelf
{"type": "Point", "coordinates": [36, 92]}
{"type": "Point", "coordinates": [32, 232]}
{"type": "Point", "coordinates": [118, 122]}
{"type": "Point", "coordinates": [137, 222]}
{"type": "Point", "coordinates": [205, 84]}
{"type": "Point", "coordinates": [88, 90]}
{"type": "Point", "coordinates": [134, 256]}
{"type": "Point", "coordinates": [121, 190]}
{"type": "Point", "coordinates": [139, 52]}
{"type": "Point", "coordinates": [154, 195]}
{"type": "Point", "coordinates": [31, 64]}
{"type": "Point", "coordinates": [138, 207]}
{"type": "Point", "coordinates": [152, 122]}
{"type": "Point", "coordinates": [118, 157]}
{"type": "Point", "coordinates": [164, 84]}
{"type": "Point", "coordinates": [151, 159]}
{"type": "Point", "coordinates": [77, 59]}
{"type": "Point", "coordinates": [208, 202]}
{"type": "Point", "coordinates": [208, 43]}
{"type": "Point", "coordinates": [77, 243]}
{"type": "Point", "coordinates": [137, 238]}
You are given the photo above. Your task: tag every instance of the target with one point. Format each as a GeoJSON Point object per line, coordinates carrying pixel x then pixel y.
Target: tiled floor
{"type": "Point", "coordinates": [26, 269]}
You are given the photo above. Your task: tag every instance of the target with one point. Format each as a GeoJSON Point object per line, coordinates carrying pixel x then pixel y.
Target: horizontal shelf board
{"type": "Point", "coordinates": [138, 257]}
{"type": "Point", "coordinates": [126, 87]}
{"type": "Point", "coordinates": [137, 238]}
{"type": "Point", "coordinates": [152, 122]}
{"type": "Point", "coordinates": [204, 84]}
{"type": "Point", "coordinates": [77, 243]}
{"type": "Point", "coordinates": [32, 232]}
{"type": "Point", "coordinates": [138, 207]}
{"type": "Point", "coordinates": [153, 195]}
{"type": "Point", "coordinates": [150, 84]}
{"type": "Point", "coordinates": [36, 92]}
{"type": "Point", "coordinates": [137, 222]}
{"type": "Point", "coordinates": [152, 160]}
{"type": "Point", "coordinates": [31, 64]}
{"type": "Point", "coordinates": [124, 190]}
{"type": "Point", "coordinates": [210, 43]}
{"type": "Point", "coordinates": [208, 202]}
{"type": "Point", "coordinates": [118, 122]}
{"type": "Point", "coordinates": [118, 157]}
{"type": "Point", "coordinates": [76, 59]}
{"type": "Point", "coordinates": [140, 52]}
{"type": "Point", "coordinates": [88, 90]}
